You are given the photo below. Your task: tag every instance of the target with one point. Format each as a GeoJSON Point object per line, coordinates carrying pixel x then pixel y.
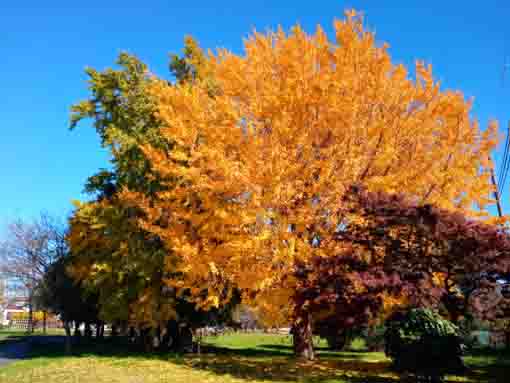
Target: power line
{"type": "Point", "coordinates": [504, 167]}
{"type": "Point", "coordinates": [504, 161]}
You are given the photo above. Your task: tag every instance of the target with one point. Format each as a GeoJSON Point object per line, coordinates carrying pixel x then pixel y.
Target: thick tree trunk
{"type": "Point", "coordinates": [303, 337]}
{"type": "Point", "coordinates": [67, 329]}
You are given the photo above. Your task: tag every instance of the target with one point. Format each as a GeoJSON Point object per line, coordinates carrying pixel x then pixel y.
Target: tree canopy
{"type": "Point", "coordinates": [112, 256]}
{"type": "Point", "coordinates": [258, 168]}
{"type": "Point", "coordinates": [274, 176]}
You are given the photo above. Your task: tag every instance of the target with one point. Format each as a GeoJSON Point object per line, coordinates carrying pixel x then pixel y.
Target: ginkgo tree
{"type": "Point", "coordinates": [111, 255]}
{"type": "Point", "coordinates": [264, 152]}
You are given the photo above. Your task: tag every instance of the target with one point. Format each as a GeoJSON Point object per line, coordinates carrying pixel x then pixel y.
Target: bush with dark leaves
{"type": "Point", "coordinates": [422, 343]}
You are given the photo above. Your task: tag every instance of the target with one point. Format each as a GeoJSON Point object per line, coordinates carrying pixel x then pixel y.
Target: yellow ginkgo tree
{"type": "Point", "coordinates": [264, 152]}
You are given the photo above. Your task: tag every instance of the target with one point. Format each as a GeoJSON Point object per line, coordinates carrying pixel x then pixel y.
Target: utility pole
{"type": "Point", "coordinates": [496, 192]}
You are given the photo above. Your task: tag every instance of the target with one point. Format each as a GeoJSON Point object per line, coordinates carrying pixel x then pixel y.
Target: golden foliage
{"type": "Point", "coordinates": [260, 166]}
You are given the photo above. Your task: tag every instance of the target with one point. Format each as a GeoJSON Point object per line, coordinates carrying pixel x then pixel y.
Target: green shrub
{"type": "Point", "coordinates": [421, 342]}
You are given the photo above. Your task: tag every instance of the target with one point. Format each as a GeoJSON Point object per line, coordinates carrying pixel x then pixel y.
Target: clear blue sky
{"type": "Point", "coordinates": [44, 47]}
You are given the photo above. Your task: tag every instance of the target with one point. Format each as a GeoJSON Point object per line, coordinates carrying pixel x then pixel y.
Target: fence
{"type": "Point", "coordinates": [23, 324]}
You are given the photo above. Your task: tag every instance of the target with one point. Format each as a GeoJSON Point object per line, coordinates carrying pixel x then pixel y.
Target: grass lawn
{"type": "Point", "coordinates": [228, 359]}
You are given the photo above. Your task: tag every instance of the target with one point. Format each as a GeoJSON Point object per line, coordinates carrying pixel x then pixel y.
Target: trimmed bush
{"type": "Point", "coordinates": [421, 342]}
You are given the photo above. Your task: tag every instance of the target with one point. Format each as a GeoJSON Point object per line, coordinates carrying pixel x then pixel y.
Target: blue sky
{"type": "Point", "coordinates": [44, 47]}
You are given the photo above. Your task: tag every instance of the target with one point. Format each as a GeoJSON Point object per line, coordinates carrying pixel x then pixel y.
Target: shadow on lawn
{"type": "Point", "coordinates": [321, 351]}
{"type": "Point", "coordinates": [263, 362]}
{"type": "Point", "coordinates": [289, 369]}
{"type": "Point", "coordinates": [346, 367]}
{"type": "Point", "coordinates": [11, 338]}
{"type": "Point", "coordinates": [275, 362]}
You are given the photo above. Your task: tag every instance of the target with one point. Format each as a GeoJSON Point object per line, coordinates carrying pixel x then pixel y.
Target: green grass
{"type": "Point", "coordinates": [236, 358]}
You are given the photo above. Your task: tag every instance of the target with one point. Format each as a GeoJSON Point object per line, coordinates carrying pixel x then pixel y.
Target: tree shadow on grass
{"type": "Point", "coordinates": [54, 347]}
{"type": "Point", "coordinates": [272, 362]}
{"type": "Point", "coordinates": [321, 351]}
{"type": "Point", "coordinates": [289, 369]}
{"type": "Point", "coordinates": [12, 339]}
{"type": "Point", "coordinates": [342, 368]}
{"type": "Point", "coordinates": [265, 363]}
{"type": "Point", "coordinates": [488, 365]}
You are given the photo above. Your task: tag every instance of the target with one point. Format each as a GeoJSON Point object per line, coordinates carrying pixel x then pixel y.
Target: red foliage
{"type": "Point", "coordinates": [431, 255]}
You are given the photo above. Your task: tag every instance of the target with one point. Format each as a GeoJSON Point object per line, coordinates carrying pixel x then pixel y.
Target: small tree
{"type": "Point", "coordinates": [28, 251]}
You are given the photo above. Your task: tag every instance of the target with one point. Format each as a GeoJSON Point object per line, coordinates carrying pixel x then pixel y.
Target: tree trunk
{"type": "Point", "coordinates": [124, 328]}
{"type": "Point", "coordinates": [185, 339]}
{"type": "Point", "coordinates": [114, 331]}
{"type": "Point", "coordinates": [44, 321]}
{"type": "Point", "coordinates": [88, 330]}
{"type": "Point", "coordinates": [303, 337]}
{"type": "Point", "coordinates": [197, 335]}
{"type": "Point", "coordinates": [171, 336]}
{"type": "Point", "coordinates": [30, 327]}
{"type": "Point", "coordinates": [77, 332]}
{"type": "Point", "coordinates": [132, 335]}
{"type": "Point", "coordinates": [147, 339]}
{"type": "Point", "coordinates": [67, 329]}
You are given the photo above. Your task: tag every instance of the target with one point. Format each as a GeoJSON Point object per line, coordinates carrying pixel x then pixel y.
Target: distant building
{"type": "Point", "coordinates": [12, 306]}
{"type": "Point", "coordinates": [12, 299]}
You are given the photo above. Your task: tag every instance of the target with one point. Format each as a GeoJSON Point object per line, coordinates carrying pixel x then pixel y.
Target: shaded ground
{"type": "Point", "coordinates": [13, 346]}
{"type": "Point", "coordinates": [12, 352]}
{"type": "Point", "coordinates": [239, 358]}
{"type": "Point", "coordinates": [17, 345]}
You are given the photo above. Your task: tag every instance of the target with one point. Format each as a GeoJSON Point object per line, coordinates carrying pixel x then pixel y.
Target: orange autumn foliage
{"type": "Point", "coordinates": [262, 158]}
